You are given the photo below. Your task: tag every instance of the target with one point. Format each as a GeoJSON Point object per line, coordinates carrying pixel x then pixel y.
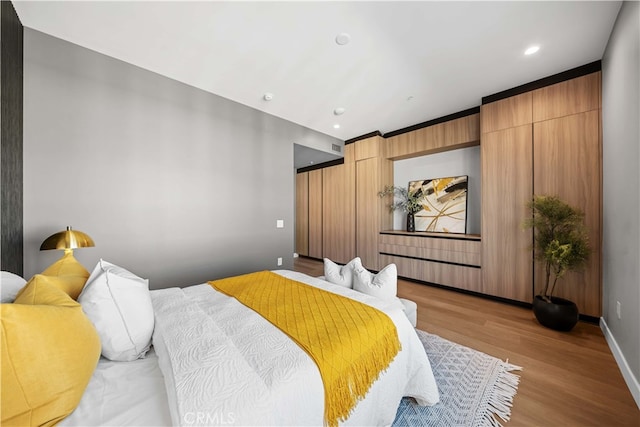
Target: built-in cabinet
{"type": "Point", "coordinates": [506, 154]}
{"type": "Point", "coordinates": [342, 216]}
{"type": "Point", "coordinates": [507, 269]}
{"type": "Point", "coordinates": [302, 213]}
{"type": "Point", "coordinates": [546, 142]}
{"type": "Point", "coordinates": [315, 213]}
{"type": "Point", "coordinates": [567, 163]}
{"type": "Point", "coordinates": [338, 210]}
{"type": "Point", "coordinates": [373, 173]}
{"type": "Point", "coordinates": [449, 135]}
{"type": "Point", "coordinates": [452, 260]}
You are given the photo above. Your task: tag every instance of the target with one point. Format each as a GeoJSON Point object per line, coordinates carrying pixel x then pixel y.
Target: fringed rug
{"type": "Point", "coordinates": [475, 389]}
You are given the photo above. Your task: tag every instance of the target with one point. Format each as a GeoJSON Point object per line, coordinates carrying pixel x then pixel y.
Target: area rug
{"type": "Point", "coordinates": [475, 389]}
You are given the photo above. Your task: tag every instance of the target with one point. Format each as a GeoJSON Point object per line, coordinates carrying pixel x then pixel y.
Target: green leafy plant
{"type": "Point", "coordinates": [560, 238]}
{"type": "Point", "coordinates": [404, 200]}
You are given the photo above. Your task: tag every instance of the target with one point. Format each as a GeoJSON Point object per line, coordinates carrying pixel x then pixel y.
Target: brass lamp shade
{"type": "Point", "coordinates": [67, 240]}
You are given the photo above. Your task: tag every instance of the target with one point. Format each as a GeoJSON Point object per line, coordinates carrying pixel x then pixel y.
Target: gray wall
{"type": "Point", "coordinates": [621, 157]}
{"type": "Point", "coordinates": [173, 183]}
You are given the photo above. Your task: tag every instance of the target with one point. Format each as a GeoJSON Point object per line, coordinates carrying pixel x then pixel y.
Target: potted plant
{"type": "Point", "coordinates": [561, 244]}
{"type": "Point", "coordinates": [408, 202]}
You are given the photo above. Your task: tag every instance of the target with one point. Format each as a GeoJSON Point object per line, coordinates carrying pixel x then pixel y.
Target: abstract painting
{"type": "Point", "coordinates": [444, 204]}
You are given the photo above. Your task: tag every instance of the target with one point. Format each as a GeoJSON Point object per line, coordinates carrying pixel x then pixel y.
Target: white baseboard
{"type": "Point", "coordinates": [630, 379]}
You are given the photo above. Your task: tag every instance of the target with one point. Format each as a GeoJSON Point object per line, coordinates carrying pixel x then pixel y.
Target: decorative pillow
{"type": "Point", "coordinates": [10, 285]}
{"type": "Point", "coordinates": [119, 305]}
{"type": "Point", "coordinates": [73, 273]}
{"type": "Point", "coordinates": [49, 352]}
{"type": "Point", "coordinates": [383, 285]}
{"type": "Point", "coordinates": [340, 275]}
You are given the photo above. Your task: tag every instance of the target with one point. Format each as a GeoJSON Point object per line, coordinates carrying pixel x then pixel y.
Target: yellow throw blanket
{"type": "Point", "coordinates": [350, 342]}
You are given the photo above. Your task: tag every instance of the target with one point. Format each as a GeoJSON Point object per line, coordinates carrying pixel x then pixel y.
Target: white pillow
{"type": "Point", "coordinates": [10, 285]}
{"type": "Point", "coordinates": [383, 285]}
{"type": "Point", "coordinates": [341, 275]}
{"type": "Point", "coordinates": [119, 305]}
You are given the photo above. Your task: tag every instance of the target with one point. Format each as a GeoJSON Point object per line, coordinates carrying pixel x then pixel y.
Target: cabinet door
{"type": "Point", "coordinates": [315, 213]}
{"type": "Point", "coordinates": [368, 148]}
{"type": "Point", "coordinates": [372, 213]}
{"type": "Point", "coordinates": [302, 213]}
{"type": "Point", "coordinates": [338, 212]}
{"type": "Point", "coordinates": [573, 96]}
{"type": "Point", "coordinates": [507, 186]}
{"type": "Point", "coordinates": [568, 164]}
{"type": "Point", "coordinates": [507, 113]}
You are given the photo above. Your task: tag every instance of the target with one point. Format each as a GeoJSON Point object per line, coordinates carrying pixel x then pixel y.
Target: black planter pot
{"type": "Point", "coordinates": [559, 314]}
{"type": "Point", "coordinates": [411, 223]}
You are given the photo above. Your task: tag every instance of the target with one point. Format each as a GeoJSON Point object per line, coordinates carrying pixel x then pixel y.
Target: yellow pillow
{"type": "Point", "coordinates": [73, 273]}
{"type": "Point", "coordinates": [49, 352]}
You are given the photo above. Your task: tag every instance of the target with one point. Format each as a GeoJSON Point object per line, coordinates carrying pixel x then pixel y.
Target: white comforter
{"type": "Point", "coordinates": [225, 365]}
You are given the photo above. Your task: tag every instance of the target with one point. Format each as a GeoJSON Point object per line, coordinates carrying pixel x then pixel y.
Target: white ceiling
{"type": "Point", "coordinates": [445, 55]}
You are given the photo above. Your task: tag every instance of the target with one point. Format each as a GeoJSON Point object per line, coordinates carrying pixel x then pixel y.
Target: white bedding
{"type": "Point", "coordinates": [123, 394]}
{"type": "Point", "coordinates": [288, 388]}
{"type": "Point", "coordinates": [224, 364]}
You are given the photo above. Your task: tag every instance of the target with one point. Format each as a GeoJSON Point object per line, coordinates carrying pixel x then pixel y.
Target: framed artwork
{"type": "Point", "coordinates": [444, 204]}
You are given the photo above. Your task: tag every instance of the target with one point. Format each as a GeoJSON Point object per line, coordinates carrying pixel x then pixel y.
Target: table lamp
{"type": "Point", "coordinates": [72, 274]}
{"type": "Point", "coordinates": [67, 240]}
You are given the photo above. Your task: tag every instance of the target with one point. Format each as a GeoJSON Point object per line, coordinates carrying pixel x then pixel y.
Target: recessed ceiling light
{"type": "Point", "coordinates": [531, 50]}
{"type": "Point", "coordinates": [336, 126]}
{"type": "Point", "coordinates": [338, 111]}
{"type": "Point", "coordinates": [343, 38]}
{"type": "Point", "coordinates": [268, 96]}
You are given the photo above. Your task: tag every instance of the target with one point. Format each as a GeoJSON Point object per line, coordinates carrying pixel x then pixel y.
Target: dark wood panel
{"type": "Point", "coordinates": [11, 139]}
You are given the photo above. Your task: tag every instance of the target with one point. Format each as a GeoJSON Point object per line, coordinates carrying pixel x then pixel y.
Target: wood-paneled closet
{"type": "Point", "coordinates": [338, 211]}
{"type": "Point", "coordinates": [546, 140]}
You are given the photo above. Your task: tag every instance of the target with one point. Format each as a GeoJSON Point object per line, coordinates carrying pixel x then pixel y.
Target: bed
{"type": "Point", "coordinates": [227, 365]}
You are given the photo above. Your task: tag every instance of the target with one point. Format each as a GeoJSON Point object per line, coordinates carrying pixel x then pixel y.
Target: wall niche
{"type": "Point", "coordinates": [463, 161]}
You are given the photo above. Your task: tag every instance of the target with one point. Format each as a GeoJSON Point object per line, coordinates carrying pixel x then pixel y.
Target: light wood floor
{"type": "Point", "coordinates": [568, 379]}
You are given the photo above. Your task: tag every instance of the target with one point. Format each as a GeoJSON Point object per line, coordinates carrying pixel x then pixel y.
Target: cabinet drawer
{"type": "Point", "coordinates": [455, 276]}
{"type": "Point", "coordinates": [429, 248]}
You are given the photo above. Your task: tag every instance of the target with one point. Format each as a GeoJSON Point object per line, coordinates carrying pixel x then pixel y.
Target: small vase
{"type": "Point", "coordinates": [411, 223]}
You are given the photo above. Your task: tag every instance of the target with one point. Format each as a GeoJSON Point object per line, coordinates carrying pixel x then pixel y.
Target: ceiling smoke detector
{"type": "Point", "coordinates": [338, 111]}
{"type": "Point", "coordinates": [343, 38]}
{"type": "Point", "coordinates": [268, 96]}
